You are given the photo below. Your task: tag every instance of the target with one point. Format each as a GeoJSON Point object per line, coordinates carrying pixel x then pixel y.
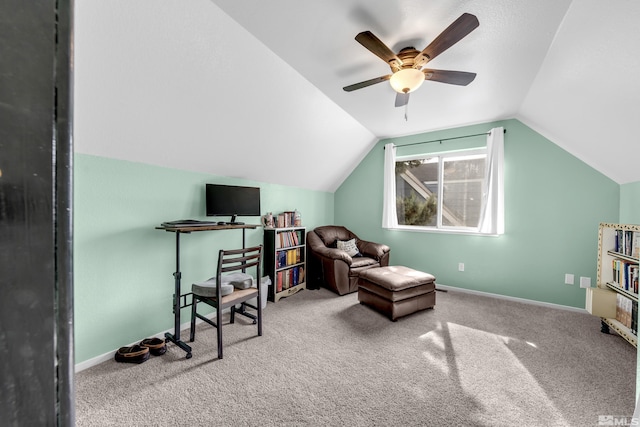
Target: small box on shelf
{"type": "Point", "coordinates": [601, 302]}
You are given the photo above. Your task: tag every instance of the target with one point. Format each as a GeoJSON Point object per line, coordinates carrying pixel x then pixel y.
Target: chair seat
{"type": "Point", "coordinates": [238, 296]}
{"type": "Point", "coordinates": [363, 261]}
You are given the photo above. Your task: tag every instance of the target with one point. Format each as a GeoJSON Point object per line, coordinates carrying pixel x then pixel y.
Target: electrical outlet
{"type": "Point", "coordinates": [461, 266]}
{"type": "Point", "coordinates": [568, 279]}
{"type": "Point", "coordinates": [585, 282]}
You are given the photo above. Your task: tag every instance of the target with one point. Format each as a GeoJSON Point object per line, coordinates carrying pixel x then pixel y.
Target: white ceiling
{"type": "Point", "coordinates": [568, 69]}
{"type": "Point", "coordinates": [505, 51]}
{"type": "Point", "coordinates": [229, 79]}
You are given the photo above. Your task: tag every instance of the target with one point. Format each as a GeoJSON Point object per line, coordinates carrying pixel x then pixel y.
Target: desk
{"type": "Point", "coordinates": [178, 230]}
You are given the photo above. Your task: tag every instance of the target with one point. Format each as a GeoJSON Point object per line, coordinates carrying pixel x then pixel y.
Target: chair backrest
{"type": "Point", "coordinates": [239, 259]}
{"type": "Point", "coordinates": [331, 233]}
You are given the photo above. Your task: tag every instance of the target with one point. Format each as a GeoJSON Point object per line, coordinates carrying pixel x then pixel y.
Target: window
{"type": "Point", "coordinates": [440, 191]}
{"type": "Point", "coordinates": [459, 191]}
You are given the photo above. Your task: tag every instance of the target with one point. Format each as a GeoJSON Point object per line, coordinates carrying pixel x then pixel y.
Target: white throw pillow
{"type": "Point", "coordinates": [348, 246]}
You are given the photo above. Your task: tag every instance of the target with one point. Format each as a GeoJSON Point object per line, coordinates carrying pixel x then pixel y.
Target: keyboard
{"type": "Point", "coordinates": [187, 223]}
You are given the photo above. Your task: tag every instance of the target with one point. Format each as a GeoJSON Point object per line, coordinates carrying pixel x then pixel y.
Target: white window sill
{"type": "Point", "coordinates": [415, 229]}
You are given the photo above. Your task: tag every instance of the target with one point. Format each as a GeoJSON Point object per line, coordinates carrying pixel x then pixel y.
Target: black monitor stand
{"type": "Point", "coordinates": [233, 220]}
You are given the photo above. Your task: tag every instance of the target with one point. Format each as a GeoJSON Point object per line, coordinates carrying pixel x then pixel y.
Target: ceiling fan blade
{"type": "Point", "coordinates": [460, 78]}
{"type": "Point", "coordinates": [366, 83]}
{"type": "Point", "coordinates": [455, 32]}
{"type": "Point", "coordinates": [375, 46]}
{"type": "Point", "coordinates": [402, 99]}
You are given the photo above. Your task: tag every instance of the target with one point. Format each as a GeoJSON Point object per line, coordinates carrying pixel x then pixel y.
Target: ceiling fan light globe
{"type": "Point", "coordinates": [407, 80]}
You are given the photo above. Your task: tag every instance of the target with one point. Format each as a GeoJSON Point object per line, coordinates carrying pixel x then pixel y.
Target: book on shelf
{"type": "Point", "coordinates": [287, 239]}
{"type": "Point", "coordinates": [279, 281]}
{"type": "Point", "coordinates": [626, 312]}
{"type": "Point", "coordinates": [288, 257]}
{"type": "Point", "coordinates": [627, 243]}
{"type": "Point", "coordinates": [634, 317]}
{"type": "Point", "coordinates": [282, 283]}
{"type": "Point", "coordinates": [625, 275]}
{"type": "Point", "coordinates": [286, 279]}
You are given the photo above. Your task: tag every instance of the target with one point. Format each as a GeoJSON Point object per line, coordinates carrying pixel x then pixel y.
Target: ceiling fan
{"type": "Point", "coordinates": [406, 65]}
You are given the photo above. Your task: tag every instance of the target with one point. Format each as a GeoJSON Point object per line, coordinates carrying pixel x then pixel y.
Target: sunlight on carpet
{"type": "Point", "coordinates": [466, 355]}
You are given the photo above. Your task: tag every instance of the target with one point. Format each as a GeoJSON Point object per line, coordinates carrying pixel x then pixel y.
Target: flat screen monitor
{"type": "Point", "coordinates": [232, 200]}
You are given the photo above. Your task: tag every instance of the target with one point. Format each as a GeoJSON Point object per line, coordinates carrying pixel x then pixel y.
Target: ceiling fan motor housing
{"type": "Point", "coordinates": [407, 56]}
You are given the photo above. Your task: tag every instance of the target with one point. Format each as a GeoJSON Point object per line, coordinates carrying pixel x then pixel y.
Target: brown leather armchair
{"type": "Point", "coordinates": [334, 268]}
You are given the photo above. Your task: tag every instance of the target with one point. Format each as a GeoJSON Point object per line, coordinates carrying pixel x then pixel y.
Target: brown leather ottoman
{"type": "Point", "coordinates": [396, 291]}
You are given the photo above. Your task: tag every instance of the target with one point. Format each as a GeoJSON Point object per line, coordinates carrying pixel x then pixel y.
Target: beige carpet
{"type": "Point", "coordinates": [327, 360]}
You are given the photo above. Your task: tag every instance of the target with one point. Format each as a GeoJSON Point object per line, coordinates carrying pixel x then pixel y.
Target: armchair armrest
{"type": "Point", "coordinates": [332, 253]}
{"type": "Point", "coordinates": [374, 250]}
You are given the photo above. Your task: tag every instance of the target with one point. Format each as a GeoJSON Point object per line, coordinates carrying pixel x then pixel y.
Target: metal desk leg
{"type": "Point", "coordinates": [175, 337]}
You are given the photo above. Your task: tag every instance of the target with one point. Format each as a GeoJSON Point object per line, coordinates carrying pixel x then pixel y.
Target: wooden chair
{"type": "Point", "coordinates": [227, 295]}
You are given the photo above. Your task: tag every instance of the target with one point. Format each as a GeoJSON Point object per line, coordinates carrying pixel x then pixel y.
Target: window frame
{"type": "Point", "coordinates": [442, 155]}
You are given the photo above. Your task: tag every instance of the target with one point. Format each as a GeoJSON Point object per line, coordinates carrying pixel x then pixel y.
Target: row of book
{"type": "Point", "coordinates": [286, 279]}
{"type": "Point", "coordinates": [625, 275]}
{"type": "Point", "coordinates": [289, 257]}
{"type": "Point", "coordinates": [627, 312]}
{"type": "Point", "coordinates": [288, 219]}
{"type": "Point", "coordinates": [286, 239]}
{"type": "Point", "coordinates": [627, 243]}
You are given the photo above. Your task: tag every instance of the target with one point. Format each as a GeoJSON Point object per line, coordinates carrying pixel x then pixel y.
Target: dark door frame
{"type": "Point", "coordinates": [36, 213]}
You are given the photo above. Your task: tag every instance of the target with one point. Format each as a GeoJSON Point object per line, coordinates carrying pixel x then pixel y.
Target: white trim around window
{"type": "Point", "coordinates": [491, 210]}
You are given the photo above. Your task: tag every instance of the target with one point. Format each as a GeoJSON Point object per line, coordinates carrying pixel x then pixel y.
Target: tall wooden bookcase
{"type": "Point", "coordinates": [615, 299]}
{"type": "Point", "coordinates": [285, 260]}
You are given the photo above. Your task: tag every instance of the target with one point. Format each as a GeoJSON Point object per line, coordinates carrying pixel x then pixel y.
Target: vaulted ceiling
{"type": "Point", "coordinates": [229, 87]}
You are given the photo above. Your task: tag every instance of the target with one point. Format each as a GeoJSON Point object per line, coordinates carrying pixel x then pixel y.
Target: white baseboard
{"type": "Point", "coordinates": [110, 354]}
{"type": "Point", "coordinates": [522, 300]}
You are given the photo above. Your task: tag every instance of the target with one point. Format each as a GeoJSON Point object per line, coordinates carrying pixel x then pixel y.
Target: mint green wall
{"type": "Point", "coordinates": [630, 203]}
{"type": "Point", "coordinates": [553, 201]}
{"type": "Point", "coordinates": [123, 267]}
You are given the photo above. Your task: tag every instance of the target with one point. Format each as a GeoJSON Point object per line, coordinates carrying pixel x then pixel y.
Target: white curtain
{"type": "Point", "coordinates": [389, 215]}
{"type": "Point", "coordinates": [492, 213]}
